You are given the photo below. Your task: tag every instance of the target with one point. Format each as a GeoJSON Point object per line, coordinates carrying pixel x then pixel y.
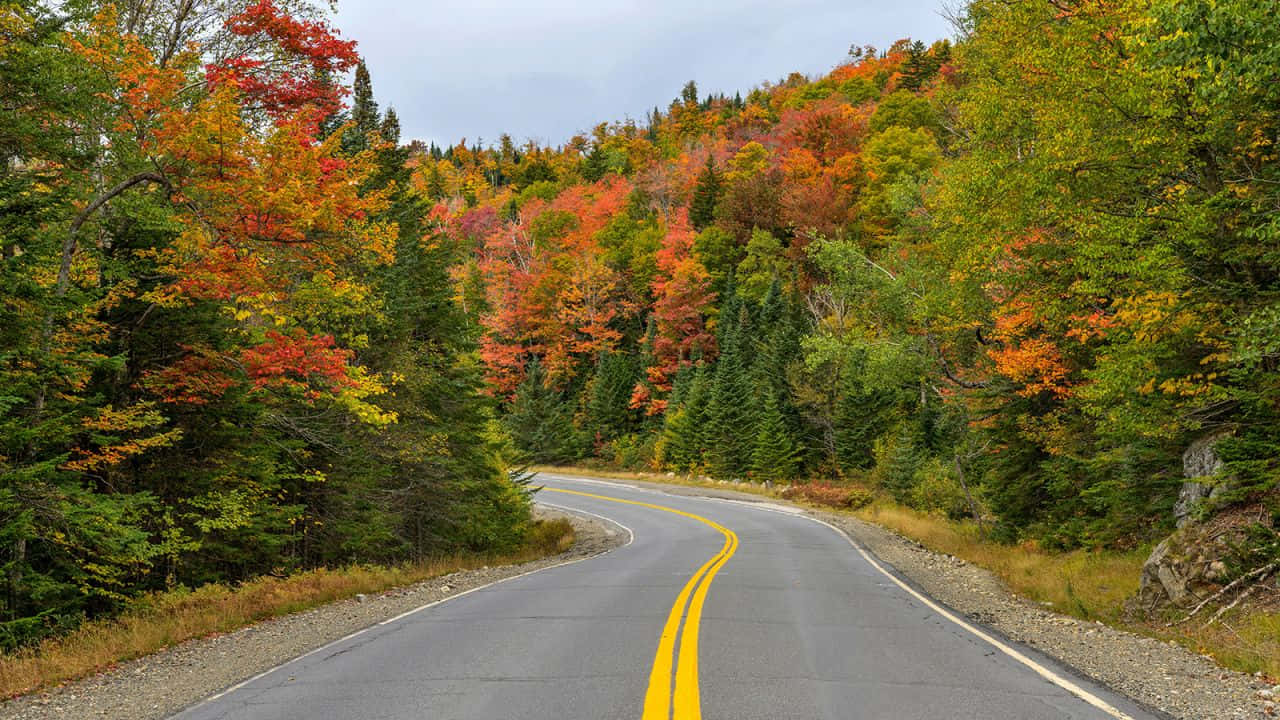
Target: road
{"type": "Point", "coordinates": [715, 609]}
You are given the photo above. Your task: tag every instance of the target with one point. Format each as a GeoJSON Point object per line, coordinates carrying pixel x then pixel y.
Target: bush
{"type": "Point", "coordinates": [837, 496]}
{"type": "Point", "coordinates": [935, 489]}
{"type": "Point", "coordinates": [631, 451]}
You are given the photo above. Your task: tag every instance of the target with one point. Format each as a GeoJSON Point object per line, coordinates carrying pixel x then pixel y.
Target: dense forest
{"type": "Point", "coordinates": [228, 340]}
{"type": "Point", "coordinates": [245, 329]}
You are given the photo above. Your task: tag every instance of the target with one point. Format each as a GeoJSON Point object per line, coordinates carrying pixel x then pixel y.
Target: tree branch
{"type": "Point", "coordinates": [69, 243]}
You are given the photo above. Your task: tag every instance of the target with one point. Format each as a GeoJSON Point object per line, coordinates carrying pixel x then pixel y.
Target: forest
{"type": "Point", "coordinates": [1009, 276]}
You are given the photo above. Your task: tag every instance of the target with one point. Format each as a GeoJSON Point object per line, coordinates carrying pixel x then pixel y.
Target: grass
{"type": "Point", "coordinates": [1087, 584]}
{"type": "Point", "coordinates": [161, 620]}
{"type": "Point", "coordinates": [1091, 585]}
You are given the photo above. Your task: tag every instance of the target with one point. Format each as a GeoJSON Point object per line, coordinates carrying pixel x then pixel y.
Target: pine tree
{"type": "Point", "coordinates": [730, 422]}
{"type": "Point", "coordinates": [898, 462]}
{"type": "Point", "coordinates": [775, 457]}
{"type": "Point", "coordinates": [364, 112]}
{"type": "Point", "coordinates": [702, 209]}
{"type": "Point", "coordinates": [540, 421]}
{"type": "Point", "coordinates": [390, 127]}
{"type": "Point", "coordinates": [435, 183]}
{"type": "Point", "coordinates": [608, 414]}
{"type": "Point", "coordinates": [682, 432]}
{"type": "Point", "coordinates": [689, 93]}
{"type": "Point", "coordinates": [861, 415]}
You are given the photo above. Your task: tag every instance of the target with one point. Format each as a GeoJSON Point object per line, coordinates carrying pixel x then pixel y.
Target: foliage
{"type": "Point", "coordinates": [230, 345]}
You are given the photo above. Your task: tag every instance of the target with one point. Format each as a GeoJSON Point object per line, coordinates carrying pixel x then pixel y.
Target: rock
{"type": "Point", "coordinates": [1189, 498]}
{"type": "Point", "coordinates": [1198, 461]}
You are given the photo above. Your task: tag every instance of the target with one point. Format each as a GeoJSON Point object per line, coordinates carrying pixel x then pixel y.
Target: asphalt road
{"type": "Point", "coordinates": [715, 609]}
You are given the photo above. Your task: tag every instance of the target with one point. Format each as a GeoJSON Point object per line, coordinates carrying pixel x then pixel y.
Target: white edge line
{"type": "Point", "coordinates": [631, 536]}
{"type": "Point", "coordinates": [1012, 652]}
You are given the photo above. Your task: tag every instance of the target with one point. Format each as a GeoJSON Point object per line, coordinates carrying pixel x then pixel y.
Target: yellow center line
{"type": "Point", "coordinates": [658, 703]}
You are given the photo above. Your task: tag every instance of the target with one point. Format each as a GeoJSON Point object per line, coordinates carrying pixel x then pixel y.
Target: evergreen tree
{"type": "Point", "coordinates": [364, 112]}
{"type": "Point", "coordinates": [689, 93]}
{"type": "Point", "coordinates": [775, 457]}
{"type": "Point", "coordinates": [860, 417]}
{"type": "Point", "coordinates": [682, 437]}
{"type": "Point", "coordinates": [731, 413]}
{"type": "Point", "coordinates": [390, 127]}
{"type": "Point", "coordinates": [540, 420]}
{"type": "Point", "coordinates": [702, 209]}
{"type": "Point", "coordinates": [898, 461]}
{"type": "Point", "coordinates": [607, 414]}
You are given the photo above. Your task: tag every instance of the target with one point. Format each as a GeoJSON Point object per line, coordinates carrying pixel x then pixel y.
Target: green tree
{"type": "Point", "coordinates": [364, 112]}
{"type": "Point", "coordinates": [702, 208]}
{"type": "Point", "coordinates": [540, 420]}
{"type": "Point", "coordinates": [729, 432]}
{"type": "Point", "coordinates": [774, 457]}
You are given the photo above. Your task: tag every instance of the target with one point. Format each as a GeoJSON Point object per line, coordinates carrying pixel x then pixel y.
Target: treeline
{"type": "Point", "coordinates": [228, 340]}
{"type": "Point", "coordinates": [1035, 264]}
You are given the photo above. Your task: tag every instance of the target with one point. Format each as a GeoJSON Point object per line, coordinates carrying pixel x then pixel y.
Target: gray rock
{"type": "Point", "coordinates": [1198, 461]}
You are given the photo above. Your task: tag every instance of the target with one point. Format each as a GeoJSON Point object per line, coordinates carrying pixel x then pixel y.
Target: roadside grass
{"type": "Point", "coordinates": [164, 619]}
{"type": "Point", "coordinates": [1091, 585]}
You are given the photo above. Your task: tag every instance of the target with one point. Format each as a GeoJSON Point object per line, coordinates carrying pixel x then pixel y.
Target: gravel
{"type": "Point", "coordinates": [159, 685]}
{"type": "Point", "coordinates": [1161, 675]}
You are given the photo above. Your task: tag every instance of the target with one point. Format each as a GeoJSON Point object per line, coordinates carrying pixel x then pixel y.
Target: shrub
{"type": "Point", "coordinates": [830, 495]}
{"type": "Point", "coordinates": [935, 489]}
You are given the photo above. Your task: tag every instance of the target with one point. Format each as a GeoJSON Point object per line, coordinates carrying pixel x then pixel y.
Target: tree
{"type": "Point", "coordinates": [364, 110]}
{"type": "Point", "coordinates": [389, 130]}
{"type": "Point", "coordinates": [730, 431]}
{"type": "Point", "coordinates": [689, 93]}
{"type": "Point", "coordinates": [706, 194]}
{"type": "Point", "coordinates": [774, 457]}
{"type": "Point", "coordinates": [540, 420]}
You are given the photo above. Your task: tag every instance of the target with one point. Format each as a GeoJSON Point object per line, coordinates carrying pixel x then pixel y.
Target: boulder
{"type": "Point", "coordinates": [1193, 562]}
{"type": "Point", "coordinates": [1183, 568]}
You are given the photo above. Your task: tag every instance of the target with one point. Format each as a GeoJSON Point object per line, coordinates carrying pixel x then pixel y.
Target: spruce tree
{"type": "Point", "coordinates": [730, 423]}
{"type": "Point", "coordinates": [682, 431]}
{"type": "Point", "coordinates": [689, 93]}
{"type": "Point", "coordinates": [775, 457]}
{"type": "Point", "coordinates": [702, 209]}
{"type": "Point", "coordinates": [364, 112]}
{"type": "Point", "coordinates": [607, 414]}
{"type": "Point", "coordinates": [390, 127]}
{"type": "Point", "coordinates": [540, 421]}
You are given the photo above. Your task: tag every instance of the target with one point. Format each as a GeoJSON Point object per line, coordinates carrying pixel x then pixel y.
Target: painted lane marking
{"type": "Point", "coordinates": [664, 700]}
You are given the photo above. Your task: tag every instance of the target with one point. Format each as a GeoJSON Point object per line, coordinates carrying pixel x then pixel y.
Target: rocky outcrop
{"type": "Point", "coordinates": [1200, 465]}
{"type": "Point", "coordinates": [1187, 563]}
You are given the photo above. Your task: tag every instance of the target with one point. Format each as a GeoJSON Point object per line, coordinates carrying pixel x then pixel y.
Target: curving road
{"type": "Point", "coordinates": [715, 609]}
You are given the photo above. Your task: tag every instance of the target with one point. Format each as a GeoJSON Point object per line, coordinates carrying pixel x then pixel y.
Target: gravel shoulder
{"type": "Point", "coordinates": [159, 685]}
{"type": "Point", "coordinates": [1162, 676]}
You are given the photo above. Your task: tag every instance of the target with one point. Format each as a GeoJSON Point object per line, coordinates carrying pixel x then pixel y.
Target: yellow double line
{"type": "Point", "coordinates": [683, 702]}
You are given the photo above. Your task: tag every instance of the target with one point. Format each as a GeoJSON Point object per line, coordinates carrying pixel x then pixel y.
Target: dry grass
{"type": "Point", "coordinates": [1093, 585]}
{"type": "Point", "coordinates": [1246, 640]}
{"type": "Point", "coordinates": [1090, 585]}
{"type": "Point", "coordinates": [164, 619]}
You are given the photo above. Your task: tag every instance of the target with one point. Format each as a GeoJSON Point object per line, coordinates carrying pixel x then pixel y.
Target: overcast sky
{"type": "Point", "coordinates": [547, 69]}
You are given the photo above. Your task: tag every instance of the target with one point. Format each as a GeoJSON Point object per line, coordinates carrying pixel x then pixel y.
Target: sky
{"type": "Point", "coordinates": [548, 69]}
